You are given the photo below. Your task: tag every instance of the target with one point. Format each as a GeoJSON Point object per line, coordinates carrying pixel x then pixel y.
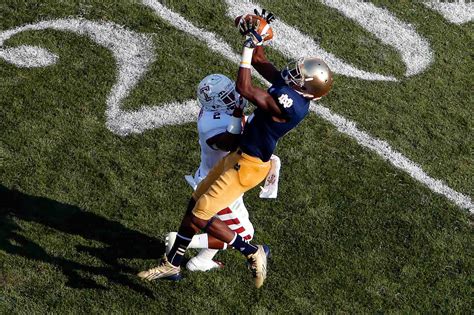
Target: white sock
{"type": "Point", "coordinates": [207, 254]}
{"type": "Point", "coordinates": [199, 241]}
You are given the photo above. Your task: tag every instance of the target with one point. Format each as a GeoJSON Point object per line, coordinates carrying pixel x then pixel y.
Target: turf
{"type": "Point", "coordinates": [82, 209]}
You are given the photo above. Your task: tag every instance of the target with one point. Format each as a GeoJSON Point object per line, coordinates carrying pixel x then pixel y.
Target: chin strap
{"type": "Point", "coordinates": [305, 95]}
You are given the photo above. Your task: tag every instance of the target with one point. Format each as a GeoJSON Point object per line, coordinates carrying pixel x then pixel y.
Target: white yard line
{"type": "Point", "coordinates": [214, 42]}
{"type": "Point", "coordinates": [134, 53]}
{"type": "Point", "coordinates": [292, 43]}
{"type": "Point", "coordinates": [345, 126]}
{"type": "Point", "coordinates": [414, 49]}
{"type": "Point", "coordinates": [395, 158]}
{"type": "Point", "coordinates": [459, 12]}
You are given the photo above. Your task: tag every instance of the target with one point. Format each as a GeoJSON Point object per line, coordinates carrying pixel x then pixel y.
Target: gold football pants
{"type": "Point", "coordinates": [232, 176]}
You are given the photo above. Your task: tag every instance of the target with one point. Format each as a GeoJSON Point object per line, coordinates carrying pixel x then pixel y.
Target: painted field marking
{"type": "Point", "coordinates": [414, 49]}
{"type": "Point", "coordinates": [213, 41]}
{"type": "Point", "coordinates": [343, 125]}
{"type": "Point", "coordinates": [26, 56]}
{"type": "Point", "coordinates": [384, 150]}
{"type": "Point", "coordinates": [134, 54]}
{"type": "Point", "coordinates": [459, 12]}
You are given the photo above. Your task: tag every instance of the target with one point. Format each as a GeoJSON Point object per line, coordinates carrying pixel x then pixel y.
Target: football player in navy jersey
{"type": "Point", "coordinates": [279, 109]}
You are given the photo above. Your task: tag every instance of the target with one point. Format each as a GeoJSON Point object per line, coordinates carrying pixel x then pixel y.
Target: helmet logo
{"type": "Point", "coordinates": [216, 92]}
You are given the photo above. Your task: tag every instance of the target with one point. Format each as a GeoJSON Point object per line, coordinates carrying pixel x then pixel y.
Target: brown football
{"type": "Point", "coordinates": [264, 29]}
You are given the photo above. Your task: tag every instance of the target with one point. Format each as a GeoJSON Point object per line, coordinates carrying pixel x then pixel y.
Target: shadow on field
{"type": "Point", "coordinates": [121, 242]}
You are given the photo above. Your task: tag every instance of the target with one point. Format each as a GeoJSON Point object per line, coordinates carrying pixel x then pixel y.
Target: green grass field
{"type": "Point", "coordinates": [82, 210]}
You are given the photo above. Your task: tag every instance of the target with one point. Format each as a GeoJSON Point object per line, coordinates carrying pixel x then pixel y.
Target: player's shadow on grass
{"type": "Point", "coordinates": [120, 241]}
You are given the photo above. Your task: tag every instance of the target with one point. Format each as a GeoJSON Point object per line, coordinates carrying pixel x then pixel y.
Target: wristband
{"type": "Point", "coordinates": [246, 60]}
{"type": "Point", "coordinates": [235, 125]}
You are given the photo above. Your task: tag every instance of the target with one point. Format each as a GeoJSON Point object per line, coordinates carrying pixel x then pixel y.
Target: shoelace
{"type": "Point", "coordinates": [253, 266]}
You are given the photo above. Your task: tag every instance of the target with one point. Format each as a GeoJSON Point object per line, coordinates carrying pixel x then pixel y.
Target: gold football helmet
{"type": "Point", "coordinates": [309, 76]}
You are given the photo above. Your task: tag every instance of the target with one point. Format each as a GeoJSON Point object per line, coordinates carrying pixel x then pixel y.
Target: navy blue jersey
{"type": "Point", "coordinates": [261, 133]}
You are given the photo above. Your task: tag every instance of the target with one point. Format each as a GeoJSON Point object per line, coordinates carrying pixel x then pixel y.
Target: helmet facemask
{"type": "Point", "coordinates": [229, 99]}
{"type": "Point", "coordinates": [310, 77]}
{"type": "Point", "coordinates": [292, 73]}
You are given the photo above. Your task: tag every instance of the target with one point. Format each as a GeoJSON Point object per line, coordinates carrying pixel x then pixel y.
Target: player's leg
{"type": "Point", "coordinates": [188, 227]}
{"type": "Point", "coordinates": [169, 267]}
{"type": "Point", "coordinates": [244, 175]}
{"type": "Point", "coordinates": [241, 173]}
{"type": "Point", "coordinates": [237, 218]}
{"type": "Point", "coordinates": [199, 241]}
{"type": "Point", "coordinates": [204, 261]}
{"type": "Point", "coordinates": [242, 224]}
{"type": "Point", "coordinates": [209, 246]}
{"type": "Point", "coordinates": [236, 180]}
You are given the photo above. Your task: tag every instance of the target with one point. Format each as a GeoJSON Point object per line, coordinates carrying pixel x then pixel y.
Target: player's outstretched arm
{"type": "Point", "coordinates": [263, 66]}
{"type": "Point", "coordinates": [257, 96]}
{"type": "Point", "coordinates": [259, 60]}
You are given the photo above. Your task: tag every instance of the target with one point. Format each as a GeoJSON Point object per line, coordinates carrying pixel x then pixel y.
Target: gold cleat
{"type": "Point", "coordinates": [165, 270]}
{"type": "Point", "coordinates": [258, 264]}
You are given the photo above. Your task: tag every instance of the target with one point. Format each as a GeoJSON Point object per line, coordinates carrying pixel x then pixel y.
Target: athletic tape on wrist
{"type": "Point", "coordinates": [246, 60]}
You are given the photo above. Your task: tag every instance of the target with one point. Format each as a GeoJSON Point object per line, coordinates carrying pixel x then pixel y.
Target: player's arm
{"type": "Point", "coordinates": [224, 141]}
{"type": "Point", "coordinates": [229, 140]}
{"type": "Point", "coordinates": [257, 96]}
{"type": "Point", "coordinates": [260, 98]}
{"type": "Point", "coordinates": [263, 66]}
{"type": "Point", "coordinates": [259, 60]}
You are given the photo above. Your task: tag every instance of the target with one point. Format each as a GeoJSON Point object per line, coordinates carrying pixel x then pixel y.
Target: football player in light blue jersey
{"type": "Point", "coordinates": [279, 109]}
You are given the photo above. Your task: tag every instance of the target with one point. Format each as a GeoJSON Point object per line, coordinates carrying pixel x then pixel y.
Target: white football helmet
{"type": "Point", "coordinates": [216, 92]}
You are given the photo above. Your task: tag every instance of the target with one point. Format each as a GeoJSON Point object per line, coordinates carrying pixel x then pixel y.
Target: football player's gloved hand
{"type": "Point", "coordinates": [248, 28]}
{"type": "Point", "coordinates": [268, 16]}
{"type": "Point", "coordinates": [247, 25]}
{"type": "Point", "coordinates": [249, 42]}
